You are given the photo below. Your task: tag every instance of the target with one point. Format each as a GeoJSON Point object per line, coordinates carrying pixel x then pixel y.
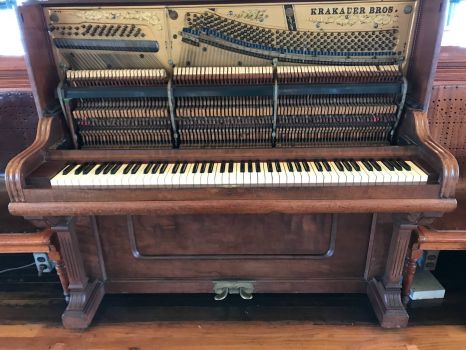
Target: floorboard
{"type": "Point", "coordinates": [232, 336]}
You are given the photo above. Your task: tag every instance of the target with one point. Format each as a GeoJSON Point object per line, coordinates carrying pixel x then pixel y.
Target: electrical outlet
{"type": "Point", "coordinates": [429, 260]}
{"type": "Point", "coordinates": [43, 264]}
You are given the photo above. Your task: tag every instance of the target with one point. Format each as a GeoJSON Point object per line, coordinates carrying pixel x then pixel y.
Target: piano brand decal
{"type": "Point", "coordinates": [378, 16]}
{"type": "Point", "coordinates": [145, 16]}
{"type": "Point", "coordinates": [356, 10]}
{"type": "Point", "coordinates": [249, 15]}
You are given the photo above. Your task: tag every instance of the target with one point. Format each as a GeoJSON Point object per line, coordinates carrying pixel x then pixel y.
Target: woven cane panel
{"type": "Point", "coordinates": [18, 121]}
{"type": "Point", "coordinates": [447, 119]}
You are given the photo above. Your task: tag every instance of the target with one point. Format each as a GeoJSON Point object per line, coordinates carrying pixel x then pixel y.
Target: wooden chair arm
{"type": "Point", "coordinates": [38, 242]}
{"type": "Point", "coordinates": [431, 239]}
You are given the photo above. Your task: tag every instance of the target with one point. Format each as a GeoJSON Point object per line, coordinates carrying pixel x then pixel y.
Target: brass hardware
{"type": "Point", "coordinates": [222, 289]}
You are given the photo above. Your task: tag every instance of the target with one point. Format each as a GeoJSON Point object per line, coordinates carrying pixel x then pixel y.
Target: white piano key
{"type": "Point", "coordinates": [388, 178]}
{"type": "Point", "coordinates": [204, 176]}
{"type": "Point", "coordinates": [268, 180]}
{"type": "Point", "coordinates": [318, 175]}
{"type": "Point", "coordinates": [187, 179]}
{"type": "Point", "coordinates": [246, 175]}
{"type": "Point", "coordinates": [420, 176]}
{"type": "Point", "coordinates": [371, 177]}
{"type": "Point", "coordinates": [275, 176]}
{"type": "Point", "coordinates": [329, 178]}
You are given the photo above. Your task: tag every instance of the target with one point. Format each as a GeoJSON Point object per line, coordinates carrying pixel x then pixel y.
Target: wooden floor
{"type": "Point", "coordinates": [232, 336]}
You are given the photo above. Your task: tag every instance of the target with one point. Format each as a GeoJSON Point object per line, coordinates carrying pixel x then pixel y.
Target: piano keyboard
{"type": "Point", "coordinates": [275, 173]}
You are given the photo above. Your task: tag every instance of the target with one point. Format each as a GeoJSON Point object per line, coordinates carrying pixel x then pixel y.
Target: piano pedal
{"type": "Point", "coordinates": [222, 289]}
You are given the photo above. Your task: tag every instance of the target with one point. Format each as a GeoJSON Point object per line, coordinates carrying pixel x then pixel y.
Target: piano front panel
{"type": "Point", "coordinates": [278, 248]}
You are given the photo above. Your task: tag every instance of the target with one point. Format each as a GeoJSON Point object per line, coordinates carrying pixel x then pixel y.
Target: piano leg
{"type": "Point", "coordinates": [85, 296]}
{"type": "Point", "coordinates": [385, 294]}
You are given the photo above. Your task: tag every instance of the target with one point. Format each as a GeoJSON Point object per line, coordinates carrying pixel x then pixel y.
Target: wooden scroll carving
{"type": "Point", "coordinates": [415, 130]}
{"type": "Point", "coordinates": [48, 132]}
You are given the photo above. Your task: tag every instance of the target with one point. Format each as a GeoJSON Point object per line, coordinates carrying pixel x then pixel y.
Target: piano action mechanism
{"type": "Point", "coordinates": [241, 148]}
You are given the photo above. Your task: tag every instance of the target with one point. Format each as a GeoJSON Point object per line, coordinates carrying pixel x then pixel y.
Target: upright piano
{"type": "Point", "coordinates": [232, 147]}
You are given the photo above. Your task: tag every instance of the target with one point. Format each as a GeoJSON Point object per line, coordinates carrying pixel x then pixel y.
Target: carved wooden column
{"type": "Point", "coordinates": [385, 294]}
{"type": "Point", "coordinates": [85, 296]}
{"type": "Point", "coordinates": [410, 269]}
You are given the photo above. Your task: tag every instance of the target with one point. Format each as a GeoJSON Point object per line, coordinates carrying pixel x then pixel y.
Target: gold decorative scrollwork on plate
{"type": "Point", "coordinates": [351, 20]}
{"type": "Point", "coordinates": [251, 15]}
{"type": "Point", "coordinates": [142, 15]}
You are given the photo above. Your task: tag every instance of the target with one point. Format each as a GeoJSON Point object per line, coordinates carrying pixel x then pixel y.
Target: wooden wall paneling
{"type": "Point", "coordinates": [447, 120]}
{"type": "Point", "coordinates": [13, 74]}
{"type": "Point", "coordinates": [18, 123]}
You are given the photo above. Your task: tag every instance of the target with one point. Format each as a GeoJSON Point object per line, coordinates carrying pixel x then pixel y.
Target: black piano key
{"type": "Point", "coordinates": [250, 167]}
{"type": "Point", "coordinates": [405, 165]}
{"type": "Point", "coordinates": [163, 168]}
{"type": "Point", "coordinates": [68, 168]}
{"type": "Point", "coordinates": [183, 168]}
{"type": "Point", "coordinates": [117, 167]}
{"type": "Point", "coordinates": [305, 166]}
{"type": "Point", "coordinates": [278, 167]}
{"type": "Point", "coordinates": [339, 165]}
{"type": "Point", "coordinates": [388, 165]}
{"type": "Point", "coordinates": [230, 166]}
{"type": "Point", "coordinates": [347, 165]}
{"type": "Point", "coordinates": [367, 165]}
{"type": "Point", "coordinates": [395, 164]}
{"type": "Point", "coordinates": [135, 168]}
{"type": "Point", "coordinates": [203, 167]}
{"type": "Point", "coordinates": [108, 167]}
{"type": "Point", "coordinates": [148, 167]}
{"type": "Point", "coordinates": [258, 167]}
{"type": "Point", "coordinates": [326, 165]}
{"type": "Point", "coordinates": [196, 167]}
{"type": "Point", "coordinates": [290, 166]}
{"type": "Point", "coordinates": [222, 167]}
{"type": "Point", "coordinates": [100, 168]}
{"type": "Point", "coordinates": [88, 168]}
{"type": "Point", "coordinates": [355, 165]}
{"type": "Point", "coordinates": [319, 166]}
{"type": "Point", "coordinates": [127, 168]}
{"type": "Point", "coordinates": [375, 165]}
{"type": "Point", "coordinates": [80, 168]}
{"type": "Point", "coordinates": [210, 168]}
{"type": "Point", "coordinates": [298, 167]}
{"type": "Point", "coordinates": [242, 166]}
{"type": "Point", "coordinates": [269, 167]}
{"type": "Point", "coordinates": [156, 167]}
{"type": "Point", "coordinates": [176, 167]}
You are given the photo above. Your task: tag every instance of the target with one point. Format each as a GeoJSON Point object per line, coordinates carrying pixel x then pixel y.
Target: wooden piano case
{"type": "Point", "coordinates": [246, 241]}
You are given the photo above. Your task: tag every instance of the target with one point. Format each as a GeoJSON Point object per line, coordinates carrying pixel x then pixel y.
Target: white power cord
{"type": "Point", "coordinates": [17, 268]}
